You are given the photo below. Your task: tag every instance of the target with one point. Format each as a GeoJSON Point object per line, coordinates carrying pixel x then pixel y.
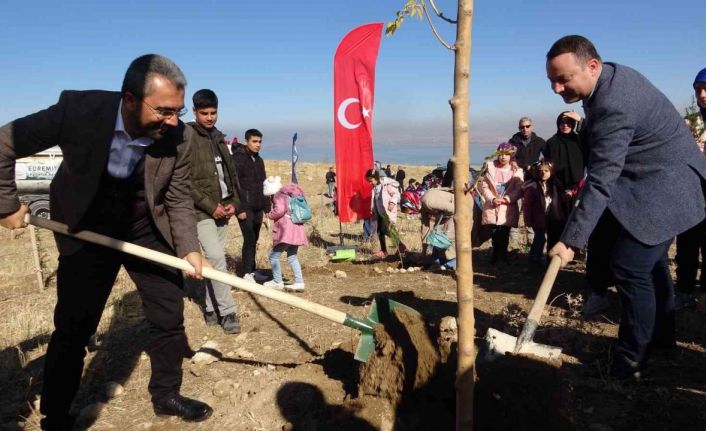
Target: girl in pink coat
{"type": "Point", "coordinates": [286, 235]}
{"type": "Point", "coordinates": [500, 189]}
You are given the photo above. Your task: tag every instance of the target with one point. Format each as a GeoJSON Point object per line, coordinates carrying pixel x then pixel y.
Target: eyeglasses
{"type": "Point", "coordinates": [167, 113]}
{"type": "Point", "coordinates": [525, 126]}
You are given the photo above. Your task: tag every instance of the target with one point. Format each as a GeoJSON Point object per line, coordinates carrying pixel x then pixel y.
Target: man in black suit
{"type": "Point", "coordinates": [125, 174]}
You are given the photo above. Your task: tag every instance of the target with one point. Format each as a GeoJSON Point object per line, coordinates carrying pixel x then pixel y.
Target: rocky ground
{"type": "Point", "coordinates": [290, 370]}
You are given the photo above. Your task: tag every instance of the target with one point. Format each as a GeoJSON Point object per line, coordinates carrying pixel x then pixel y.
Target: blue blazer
{"type": "Point", "coordinates": [643, 164]}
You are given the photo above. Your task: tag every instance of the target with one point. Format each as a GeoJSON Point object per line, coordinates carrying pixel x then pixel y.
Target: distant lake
{"type": "Point", "coordinates": [434, 154]}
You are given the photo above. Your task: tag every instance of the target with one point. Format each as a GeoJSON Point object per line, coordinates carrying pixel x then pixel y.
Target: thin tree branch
{"type": "Point", "coordinates": [441, 15]}
{"type": "Point", "coordinates": [433, 29]}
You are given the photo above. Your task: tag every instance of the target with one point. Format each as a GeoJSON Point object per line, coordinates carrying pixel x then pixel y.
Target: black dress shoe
{"type": "Point", "coordinates": [185, 408]}
{"type": "Point", "coordinates": [57, 423]}
{"type": "Point", "coordinates": [231, 324]}
{"type": "Point", "coordinates": [211, 318]}
{"type": "Point", "coordinates": [624, 369]}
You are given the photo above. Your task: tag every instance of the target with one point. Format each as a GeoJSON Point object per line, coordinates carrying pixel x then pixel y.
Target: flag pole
{"type": "Point", "coordinates": [295, 157]}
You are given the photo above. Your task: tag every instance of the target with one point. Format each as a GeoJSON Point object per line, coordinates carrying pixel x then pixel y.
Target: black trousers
{"type": "Point", "coordinates": [383, 231]}
{"type": "Point", "coordinates": [642, 276]}
{"type": "Point", "coordinates": [554, 231]}
{"type": "Point", "coordinates": [250, 227]}
{"type": "Point", "coordinates": [500, 241]}
{"type": "Point", "coordinates": [84, 282]}
{"type": "Point", "coordinates": [598, 273]}
{"type": "Point", "coordinates": [690, 245]}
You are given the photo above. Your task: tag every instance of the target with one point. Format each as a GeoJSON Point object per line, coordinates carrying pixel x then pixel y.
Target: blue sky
{"type": "Point", "coordinates": [270, 62]}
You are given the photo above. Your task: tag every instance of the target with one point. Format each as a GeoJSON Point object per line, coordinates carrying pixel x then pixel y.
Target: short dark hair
{"type": "Point", "coordinates": [373, 173]}
{"type": "Point", "coordinates": [252, 132]}
{"type": "Point", "coordinates": [581, 47]}
{"type": "Point", "coordinates": [137, 77]}
{"type": "Point", "coordinates": [205, 98]}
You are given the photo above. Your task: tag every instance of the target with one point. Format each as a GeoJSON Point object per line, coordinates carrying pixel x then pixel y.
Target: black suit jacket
{"type": "Point", "coordinates": [82, 124]}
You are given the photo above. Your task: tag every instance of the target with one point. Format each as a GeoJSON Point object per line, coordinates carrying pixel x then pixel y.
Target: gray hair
{"type": "Point", "coordinates": [137, 77]}
{"type": "Point", "coordinates": [528, 119]}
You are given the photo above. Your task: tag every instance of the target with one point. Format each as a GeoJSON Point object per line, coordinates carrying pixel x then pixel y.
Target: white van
{"type": "Point", "coordinates": [33, 175]}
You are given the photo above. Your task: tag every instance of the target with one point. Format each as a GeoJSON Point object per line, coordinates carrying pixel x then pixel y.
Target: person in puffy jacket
{"type": "Point", "coordinates": [437, 211]}
{"type": "Point", "coordinates": [250, 169]}
{"type": "Point", "coordinates": [383, 206]}
{"type": "Point", "coordinates": [214, 190]}
{"type": "Point", "coordinates": [543, 210]}
{"type": "Point", "coordinates": [287, 236]}
{"type": "Point", "coordinates": [500, 189]}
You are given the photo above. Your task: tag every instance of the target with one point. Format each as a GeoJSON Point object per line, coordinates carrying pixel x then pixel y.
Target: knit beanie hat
{"type": "Point", "coordinates": [271, 185]}
{"type": "Point", "coordinates": [701, 76]}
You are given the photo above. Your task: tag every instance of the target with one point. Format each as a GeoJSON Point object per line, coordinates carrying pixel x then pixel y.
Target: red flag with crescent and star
{"type": "Point", "coordinates": [353, 95]}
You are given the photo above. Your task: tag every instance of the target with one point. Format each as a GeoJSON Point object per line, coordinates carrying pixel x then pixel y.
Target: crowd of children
{"type": "Point", "coordinates": [545, 204]}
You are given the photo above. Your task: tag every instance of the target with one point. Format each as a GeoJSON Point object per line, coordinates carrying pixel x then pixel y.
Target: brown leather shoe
{"type": "Point", "coordinates": [185, 408]}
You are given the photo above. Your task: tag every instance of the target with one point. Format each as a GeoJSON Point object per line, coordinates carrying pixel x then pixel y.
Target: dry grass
{"type": "Point", "coordinates": [26, 310]}
{"type": "Point", "coordinates": [293, 343]}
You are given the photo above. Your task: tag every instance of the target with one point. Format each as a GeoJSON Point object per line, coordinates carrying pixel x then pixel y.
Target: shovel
{"type": "Point", "coordinates": [379, 311]}
{"type": "Point", "coordinates": [500, 343]}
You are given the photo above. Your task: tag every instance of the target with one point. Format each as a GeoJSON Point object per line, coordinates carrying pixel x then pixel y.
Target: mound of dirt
{"type": "Point", "coordinates": [404, 359]}
{"type": "Point", "coordinates": [514, 392]}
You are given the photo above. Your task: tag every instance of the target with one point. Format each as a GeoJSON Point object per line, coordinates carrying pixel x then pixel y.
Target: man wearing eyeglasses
{"type": "Point", "coordinates": [125, 174]}
{"type": "Point", "coordinates": [529, 145]}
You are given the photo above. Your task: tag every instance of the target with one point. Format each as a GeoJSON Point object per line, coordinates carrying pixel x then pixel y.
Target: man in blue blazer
{"type": "Point", "coordinates": [644, 181]}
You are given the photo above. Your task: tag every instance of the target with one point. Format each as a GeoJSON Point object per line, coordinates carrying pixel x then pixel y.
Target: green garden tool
{"type": "Point", "coordinates": [380, 309]}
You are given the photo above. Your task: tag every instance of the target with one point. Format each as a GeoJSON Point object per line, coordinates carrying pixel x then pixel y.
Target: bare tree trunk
{"type": "Point", "coordinates": [465, 371]}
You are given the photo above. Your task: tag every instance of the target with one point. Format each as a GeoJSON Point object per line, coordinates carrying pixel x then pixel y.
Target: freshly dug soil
{"type": "Point", "coordinates": [405, 375]}
{"type": "Point", "coordinates": [519, 392]}
{"type": "Point", "coordinates": [523, 392]}
{"type": "Point", "coordinates": [404, 359]}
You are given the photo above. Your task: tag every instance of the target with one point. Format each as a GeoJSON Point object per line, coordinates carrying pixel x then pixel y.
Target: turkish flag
{"type": "Point", "coordinates": [353, 94]}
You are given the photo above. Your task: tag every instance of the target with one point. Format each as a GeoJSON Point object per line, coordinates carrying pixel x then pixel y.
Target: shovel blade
{"type": "Point", "coordinates": [499, 344]}
{"type": "Point", "coordinates": [366, 346]}
{"type": "Point", "coordinates": [380, 311]}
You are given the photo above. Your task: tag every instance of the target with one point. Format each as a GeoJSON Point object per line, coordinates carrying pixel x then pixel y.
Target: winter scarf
{"type": "Point", "coordinates": [564, 150]}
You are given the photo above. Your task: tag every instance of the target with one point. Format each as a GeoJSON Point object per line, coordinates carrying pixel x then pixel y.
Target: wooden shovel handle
{"type": "Point", "coordinates": [175, 262]}
{"type": "Point", "coordinates": [545, 288]}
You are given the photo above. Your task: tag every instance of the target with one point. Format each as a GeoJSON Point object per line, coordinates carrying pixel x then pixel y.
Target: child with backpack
{"type": "Point", "coordinates": [289, 213]}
